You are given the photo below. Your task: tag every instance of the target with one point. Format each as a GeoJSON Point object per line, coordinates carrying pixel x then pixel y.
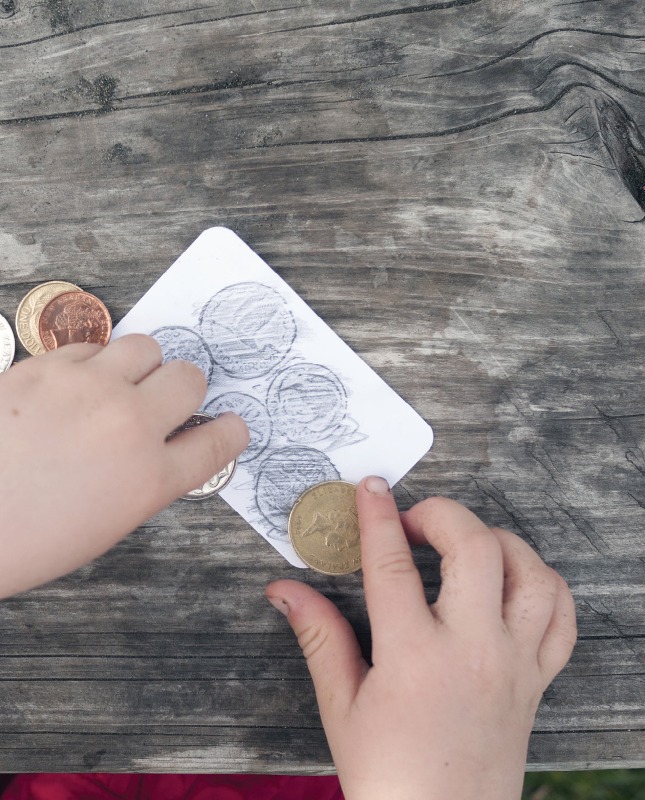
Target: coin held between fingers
{"type": "Point", "coordinates": [323, 528]}
{"type": "Point", "coordinates": [221, 479]}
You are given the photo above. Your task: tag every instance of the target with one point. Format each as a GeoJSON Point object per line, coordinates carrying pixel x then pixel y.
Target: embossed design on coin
{"type": "Point", "coordinates": [179, 343]}
{"type": "Point", "coordinates": [74, 317]}
{"type": "Point", "coordinates": [323, 528]}
{"type": "Point", "coordinates": [220, 479]}
{"type": "Point", "coordinates": [7, 345]}
{"type": "Point", "coordinates": [307, 402]}
{"type": "Point", "coordinates": [282, 478]}
{"type": "Point", "coordinates": [30, 309]}
{"type": "Point", "coordinates": [214, 485]}
{"type": "Point", "coordinates": [253, 413]}
{"type": "Point", "coordinates": [249, 329]}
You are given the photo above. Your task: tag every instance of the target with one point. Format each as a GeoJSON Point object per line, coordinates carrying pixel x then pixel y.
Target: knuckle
{"type": "Point", "coordinates": [189, 374]}
{"type": "Point", "coordinates": [433, 506]}
{"type": "Point", "coordinates": [393, 564]}
{"type": "Point", "coordinates": [567, 641]}
{"type": "Point", "coordinates": [556, 582]}
{"type": "Point", "coordinates": [215, 457]}
{"type": "Point", "coordinates": [312, 640]}
{"type": "Point", "coordinates": [545, 584]}
{"type": "Point", "coordinates": [196, 376]}
{"type": "Point", "coordinates": [147, 343]}
{"type": "Point", "coordinates": [484, 547]}
{"type": "Point", "coordinates": [560, 584]}
{"type": "Point", "coordinates": [567, 613]}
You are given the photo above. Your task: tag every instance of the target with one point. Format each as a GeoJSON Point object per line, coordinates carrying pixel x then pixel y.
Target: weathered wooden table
{"type": "Point", "coordinates": [456, 188]}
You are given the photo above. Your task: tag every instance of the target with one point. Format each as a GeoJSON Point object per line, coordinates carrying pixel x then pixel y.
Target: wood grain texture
{"type": "Point", "coordinates": [457, 189]}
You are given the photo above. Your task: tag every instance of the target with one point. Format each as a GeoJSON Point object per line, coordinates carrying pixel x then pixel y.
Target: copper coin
{"type": "Point", "coordinates": [74, 317]}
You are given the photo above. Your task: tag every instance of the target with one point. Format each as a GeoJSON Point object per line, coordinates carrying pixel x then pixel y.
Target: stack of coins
{"type": "Point", "coordinates": [57, 313]}
{"type": "Point", "coordinates": [323, 528]}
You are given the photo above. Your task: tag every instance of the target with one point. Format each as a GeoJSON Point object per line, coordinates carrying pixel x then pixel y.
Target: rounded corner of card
{"type": "Point", "coordinates": [430, 440]}
{"type": "Point", "coordinates": [219, 232]}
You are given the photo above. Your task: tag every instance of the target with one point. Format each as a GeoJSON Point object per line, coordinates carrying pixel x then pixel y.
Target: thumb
{"type": "Point", "coordinates": [328, 643]}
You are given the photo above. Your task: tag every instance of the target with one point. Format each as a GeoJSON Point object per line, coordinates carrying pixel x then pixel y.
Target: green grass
{"type": "Point", "coordinates": [611, 784]}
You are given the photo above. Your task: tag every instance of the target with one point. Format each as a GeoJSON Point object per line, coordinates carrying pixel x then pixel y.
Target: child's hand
{"type": "Point", "coordinates": [447, 707]}
{"type": "Point", "coordinates": [84, 453]}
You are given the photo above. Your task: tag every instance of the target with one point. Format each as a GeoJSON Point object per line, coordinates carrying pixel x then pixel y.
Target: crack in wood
{"type": "Point", "coordinates": [395, 12]}
{"type": "Point", "coordinates": [233, 16]}
{"type": "Point", "coordinates": [529, 42]}
{"type": "Point", "coordinates": [91, 26]}
{"type": "Point", "coordinates": [626, 146]}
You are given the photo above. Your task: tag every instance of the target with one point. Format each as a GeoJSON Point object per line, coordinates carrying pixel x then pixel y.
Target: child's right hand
{"type": "Point", "coordinates": [85, 452]}
{"type": "Point", "coordinates": [446, 709]}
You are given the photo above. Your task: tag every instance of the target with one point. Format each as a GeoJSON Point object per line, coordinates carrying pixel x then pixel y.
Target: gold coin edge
{"type": "Point", "coordinates": [31, 341]}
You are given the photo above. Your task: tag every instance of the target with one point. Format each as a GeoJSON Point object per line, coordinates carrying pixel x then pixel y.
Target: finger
{"type": "Point", "coordinates": [530, 590]}
{"type": "Point", "coordinates": [173, 393]}
{"type": "Point", "coordinates": [328, 643]}
{"type": "Point", "coordinates": [472, 574]}
{"type": "Point", "coordinates": [396, 602]}
{"type": "Point", "coordinates": [81, 351]}
{"type": "Point", "coordinates": [133, 356]}
{"type": "Point", "coordinates": [560, 636]}
{"type": "Point", "coordinates": [201, 452]}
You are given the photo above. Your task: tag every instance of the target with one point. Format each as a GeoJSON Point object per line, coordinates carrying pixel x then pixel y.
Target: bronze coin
{"type": "Point", "coordinates": [74, 317]}
{"type": "Point", "coordinates": [323, 528]}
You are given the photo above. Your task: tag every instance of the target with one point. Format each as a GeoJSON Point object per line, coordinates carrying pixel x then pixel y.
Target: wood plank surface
{"type": "Point", "coordinates": [457, 189]}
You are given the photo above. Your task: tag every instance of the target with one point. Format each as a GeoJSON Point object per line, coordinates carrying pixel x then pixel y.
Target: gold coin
{"type": "Point", "coordinates": [323, 528]}
{"type": "Point", "coordinates": [30, 309]}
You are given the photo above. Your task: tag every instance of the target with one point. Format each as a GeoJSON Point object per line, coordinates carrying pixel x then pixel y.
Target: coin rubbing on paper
{"type": "Point", "coordinates": [7, 345]}
{"type": "Point", "coordinates": [220, 479]}
{"type": "Point", "coordinates": [74, 317]}
{"type": "Point", "coordinates": [30, 309]}
{"type": "Point", "coordinates": [323, 528]}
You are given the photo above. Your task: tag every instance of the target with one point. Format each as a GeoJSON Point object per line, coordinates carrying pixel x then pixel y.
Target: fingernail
{"type": "Point", "coordinates": [376, 485]}
{"type": "Point", "coordinates": [281, 605]}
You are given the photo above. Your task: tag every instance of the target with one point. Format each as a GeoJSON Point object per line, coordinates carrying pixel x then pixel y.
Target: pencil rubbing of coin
{"type": "Point", "coordinates": [30, 309]}
{"type": "Point", "coordinates": [323, 528]}
{"type": "Point", "coordinates": [220, 479]}
{"type": "Point", "coordinates": [74, 317]}
{"type": "Point", "coordinates": [7, 345]}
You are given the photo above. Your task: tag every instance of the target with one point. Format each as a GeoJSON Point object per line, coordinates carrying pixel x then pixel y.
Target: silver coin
{"type": "Point", "coordinates": [219, 480]}
{"type": "Point", "coordinates": [7, 345]}
{"type": "Point", "coordinates": [214, 485]}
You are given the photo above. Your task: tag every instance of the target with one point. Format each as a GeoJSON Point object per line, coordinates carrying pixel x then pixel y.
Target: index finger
{"type": "Point", "coordinates": [472, 564]}
{"type": "Point", "coordinates": [199, 453]}
{"type": "Point", "coordinates": [396, 602]}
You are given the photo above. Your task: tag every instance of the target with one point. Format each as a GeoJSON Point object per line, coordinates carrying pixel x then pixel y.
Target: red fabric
{"type": "Point", "coordinates": [103, 786]}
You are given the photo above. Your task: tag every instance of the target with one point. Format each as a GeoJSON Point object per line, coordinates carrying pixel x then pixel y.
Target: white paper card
{"type": "Point", "coordinates": [314, 409]}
